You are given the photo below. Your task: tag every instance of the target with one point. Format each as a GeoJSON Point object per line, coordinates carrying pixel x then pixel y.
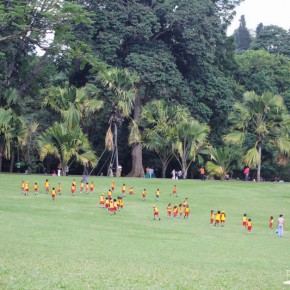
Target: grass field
{"type": "Point", "coordinates": [71, 243]}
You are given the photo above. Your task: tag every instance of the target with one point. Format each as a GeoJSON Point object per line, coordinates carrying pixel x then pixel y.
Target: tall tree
{"type": "Point", "coordinates": [242, 36]}
{"type": "Point", "coordinates": [12, 133]}
{"type": "Point", "coordinates": [190, 137]}
{"type": "Point", "coordinates": [66, 143]}
{"type": "Point", "coordinates": [259, 120]}
{"type": "Point", "coordinates": [158, 120]}
{"type": "Point", "coordinates": [30, 26]}
{"type": "Point", "coordinates": [262, 71]}
{"type": "Point", "coordinates": [123, 85]}
{"type": "Point", "coordinates": [273, 39]}
{"type": "Point", "coordinates": [175, 48]}
{"type": "Point", "coordinates": [259, 29]}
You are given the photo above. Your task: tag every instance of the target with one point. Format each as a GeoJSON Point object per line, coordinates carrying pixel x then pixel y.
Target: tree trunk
{"type": "Point", "coordinates": [64, 169]}
{"type": "Point", "coordinates": [12, 160]}
{"type": "Point", "coordinates": [185, 173]}
{"type": "Point", "coordinates": [137, 166]}
{"type": "Point", "coordinates": [259, 164]}
{"type": "Point", "coordinates": [164, 167]}
{"type": "Point", "coordinates": [165, 163]}
{"type": "Point", "coordinates": [184, 168]}
{"type": "Point", "coordinates": [118, 172]}
{"type": "Point", "coordinates": [137, 163]}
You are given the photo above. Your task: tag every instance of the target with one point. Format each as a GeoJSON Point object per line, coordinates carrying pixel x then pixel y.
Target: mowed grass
{"type": "Point", "coordinates": [71, 243]}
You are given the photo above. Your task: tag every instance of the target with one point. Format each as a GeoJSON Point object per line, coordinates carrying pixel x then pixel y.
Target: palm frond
{"type": "Point", "coordinates": [252, 157]}
{"type": "Point", "coordinates": [235, 137]}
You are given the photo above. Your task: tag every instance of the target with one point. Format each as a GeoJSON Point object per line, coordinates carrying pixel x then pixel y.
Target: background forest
{"type": "Point", "coordinates": [142, 83]}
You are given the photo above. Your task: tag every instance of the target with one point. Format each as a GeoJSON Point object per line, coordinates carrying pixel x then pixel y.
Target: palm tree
{"type": "Point", "coordinates": [261, 120]}
{"type": "Point", "coordinates": [122, 83]}
{"type": "Point", "coordinates": [65, 143]}
{"type": "Point", "coordinates": [190, 137]}
{"type": "Point", "coordinates": [158, 119]}
{"type": "Point", "coordinates": [222, 161]}
{"type": "Point", "coordinates": [12, 133]}
{"type": "Point", "coordinates": [74, 104]}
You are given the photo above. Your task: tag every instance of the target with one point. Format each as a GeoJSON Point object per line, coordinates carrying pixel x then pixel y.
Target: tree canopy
{"type": "Point", "coordinates": [136, 77]}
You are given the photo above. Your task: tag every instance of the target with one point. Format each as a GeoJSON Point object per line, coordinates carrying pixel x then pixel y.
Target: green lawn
{"type": "Point", "coordinates": [71, 243]}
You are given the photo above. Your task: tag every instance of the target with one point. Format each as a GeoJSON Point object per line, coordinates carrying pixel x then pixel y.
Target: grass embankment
{"type": "Point", "coordinates": [70, 243]}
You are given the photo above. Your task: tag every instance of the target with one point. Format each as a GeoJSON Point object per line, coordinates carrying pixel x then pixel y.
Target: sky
{"type": "Point", "coordinates": [276, 12]}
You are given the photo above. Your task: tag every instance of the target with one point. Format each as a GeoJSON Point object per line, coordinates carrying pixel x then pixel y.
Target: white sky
{"type": "Point", "coordinates": [276, 12]}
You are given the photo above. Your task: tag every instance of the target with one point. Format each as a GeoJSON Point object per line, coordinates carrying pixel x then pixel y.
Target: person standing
{"type": "Point", "coordinates": [201, 172]}
{"type": "Point", "coordinates": [35, 187]}
{"type": "Point", "coordinates": [280, 226]}
{"type": "Point", "coordinates": [245, 220]}
{"type": "Point", "coordinates": [173, 173]}
{"type": "Point", "coordinates": [124, 189]}
{"type": "Point", "coordinates": [186, 211]}
{"type": "Point", "coordinates": [223, 218]}
{"type": "Point", "coordinates": [53, 193]}
{"type": "Point", "coordinates": [169, 210]}
{"type": "Point", "coordinates": [246, 173]}
{"type": "Point", "coordinates": [249, 225]}
{"type": "Point", "coordinates": [217, 218]}
{"type": "Point", "coordinates": [59, 170]}
{"type": "Point", "coordinates": [46, 185]}
{"type": "Point", "coordinates": [211, 220]}
{"type": "Point", "coordinates": [144, 194]}
{"type": "Point", "coordinates": [157, 194]}
{"type": "Point", "coordinates": [271, 222]}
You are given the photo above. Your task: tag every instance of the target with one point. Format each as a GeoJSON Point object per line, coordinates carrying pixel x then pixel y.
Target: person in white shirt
{"type": "Point", "coordinates": [280, 226]}
{"type": "Point", "coordinates": [173, 173]}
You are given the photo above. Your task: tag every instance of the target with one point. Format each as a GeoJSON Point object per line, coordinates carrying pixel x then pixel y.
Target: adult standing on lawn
{"type": "Point", "coordinates": [280, 226]}
{"type": "Point", "coordinates": [201, 172]}
{"type": "Point", "coordinates": [246, 173]}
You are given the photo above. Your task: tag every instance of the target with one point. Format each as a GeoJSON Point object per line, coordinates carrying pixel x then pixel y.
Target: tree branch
{"type": "Point", "coordinates": [14, 36]}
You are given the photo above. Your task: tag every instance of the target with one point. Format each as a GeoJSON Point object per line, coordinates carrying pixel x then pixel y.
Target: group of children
{"type": "Point", "coordinates": [83, 186]}
{"type": "Point", "coordinates": [178, 211]}
{"type": "Point", "coordinates": [110, 203]}
{"type": "Point", "coordinates": [217, 218]}
{"type": "Point", "coordinates": [247, 223]}
{"type": "Point", "coordinates": [181, 210]}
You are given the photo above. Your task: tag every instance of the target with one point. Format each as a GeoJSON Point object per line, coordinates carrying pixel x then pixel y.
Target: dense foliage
{"type": "Point", "coordinates": [99, 66]}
